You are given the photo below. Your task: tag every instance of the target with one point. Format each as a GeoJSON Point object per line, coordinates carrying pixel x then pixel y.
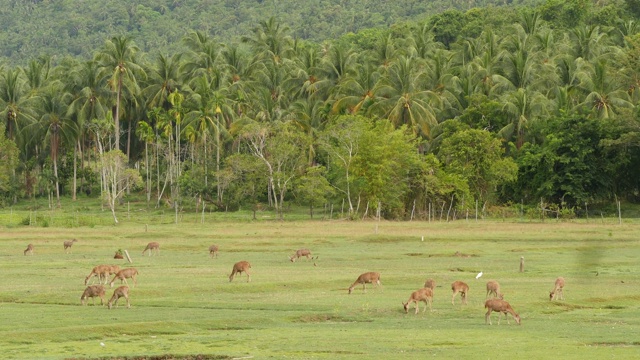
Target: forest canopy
{"type": "Point", "coordinates": [533, 105]}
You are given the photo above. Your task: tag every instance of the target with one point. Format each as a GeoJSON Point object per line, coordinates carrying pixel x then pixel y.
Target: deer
{"type": "Point", "coordinates": [430, 284]}
{"type": "Point", "coordinates": [300, 253]}
{"type": "Point", "coordinates": [122, 291]}
{"type": "Point", "coordinates": [151, 247]}
{"type": "Point", "coordinates": [29, 250]}
{"type": "Point", "coordinates": [424, 294]}
{"type": "Point", "coordinates": [213, 250]}
{"type": "Point", "coordinates": [557, 290]}
{"type": "Point", "coordinates": [124, 274]}
{"type": "Point", "coordinates": [68, 244]}
{"type": "Point", "coordinates": [101, 271]}
{"type": "Point", "coordinates": [364, 279]}
{"type": "Point", "coordinates": [502, 307]}
{"type": "Point", "coordinates": [459, 287]}
{"type": "Point", "coordinates": [240, 267]}
{"type": "Point", "coordinates": [92, 292]}
{"type": "Point", "coordinates": [493, 288]}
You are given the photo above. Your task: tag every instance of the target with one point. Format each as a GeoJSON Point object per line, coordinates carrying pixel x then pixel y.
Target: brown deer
{"type": "Point", "coordinates": [300, 253]}
{"type": "Point", "coordinates": [151, 247]}
{"type": "Point", "coordinates": [424, 294]}
{"type": "Point", "coordinates": [102, 272]}
{"type": "Point", "coordinates": [213, 250]}
{"type": "Point", "coordinates": [241, 267]}
{"type": "Point", "coordinates": [92, 292]}
{"type": "Point", "coordinates": [502, 307]}
{"type": "Point", "coordinates": [29, 249]}
{"type": "Point", "coordinates": [124, 274]}
{"type": "Point", "coordinates": [459, 287]}
{"type": "Point", "coordinates": [557, 290]}
{"type": "Point", "coordinates": [122, 291]}
{"type": "Point", "coordinates": [493, 288]}
{"type": "Point", "coordinates": [68, 244]}
{"type": "Point", "coordinates": [430, 284]}
{"type": "Point", "coordinates": [364, 279]}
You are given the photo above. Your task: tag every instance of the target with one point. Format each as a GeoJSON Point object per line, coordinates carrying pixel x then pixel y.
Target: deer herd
{"type": "Point", "coordinates": [494, 298]}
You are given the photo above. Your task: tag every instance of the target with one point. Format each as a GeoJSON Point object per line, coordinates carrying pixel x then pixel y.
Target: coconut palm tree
{"type": "Point", "coordinates": [119, 64]}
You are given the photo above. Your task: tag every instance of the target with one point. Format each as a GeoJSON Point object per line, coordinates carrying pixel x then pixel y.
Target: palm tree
{"type": "Point", "coordinates": [605, 94]}
{"type": "Point", "coordinates": [14, 102]}
{"type": "Point", "coordinates": [118, 62]}
{"type": "Point", "coordinates": [356, 92]}
{"type": "Point", "coordinates": [405, 99]}
{"type": "Point", "coordinates": [55, 127]}
{"type": "Point", "coordinates": [272, 40]}
{"type": "Point", "coordinates": [524, 107]}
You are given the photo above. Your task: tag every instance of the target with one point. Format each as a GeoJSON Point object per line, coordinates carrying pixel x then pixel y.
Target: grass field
{"type": "Point", "coordinates": [185, 305]}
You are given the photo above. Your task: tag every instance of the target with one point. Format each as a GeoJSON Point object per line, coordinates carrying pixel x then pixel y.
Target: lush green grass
{"type": "Point", "coordinates": [184, 303]}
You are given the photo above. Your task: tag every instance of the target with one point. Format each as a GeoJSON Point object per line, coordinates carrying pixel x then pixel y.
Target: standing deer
{"type": "Point", "coordinates": [300, 253]}
{"type": "Point", "coordinates": [364, 279]}
{"type": "Point", "coordinates": [502, 307]}
{"type": "Point", "coordinates": [424, 294]}
{"type": "Point", "coordinates": [213, 250]}
{"type": "Point", "coordinates": [122, 291]}
{"type": "Point", "coordinates": [430, 284]}
{"type": "Point", "coordinates": [557, 290]}
{"type": "Point", "coordinates": [29, 249]}
{"type": "Point", "coordinates": [124, 274]}
{"type": "Point", "coordinates": [459, 287]}
{"type": "Point", "coordinates": [68, 244]}
{"type": "Point", "coordinates": [151, 247]}
{"type": "Point", "coordinates": [241, 267]}
{"type": "Point", "coordinates": [493, 288]}
{"type": "Point", "coordinates": [92, 292]}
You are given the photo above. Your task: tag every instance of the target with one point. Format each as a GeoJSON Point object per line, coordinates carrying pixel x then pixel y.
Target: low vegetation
{"type": "Point", "coordinates": [185, 305]}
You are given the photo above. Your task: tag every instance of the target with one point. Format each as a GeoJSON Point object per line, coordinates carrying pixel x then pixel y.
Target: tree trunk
{"type": "Point", "coordinates": [75, 171]}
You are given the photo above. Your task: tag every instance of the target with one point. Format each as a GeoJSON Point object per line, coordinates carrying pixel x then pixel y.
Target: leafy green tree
{"type": "Point", "coordinates": [569, 166]}
{"type": "Point", "coordinates": [313, 187]}
{"type": "Point", "coordinates": [477, 157]}
{"type": "Point", "coordinates": [15, 107]}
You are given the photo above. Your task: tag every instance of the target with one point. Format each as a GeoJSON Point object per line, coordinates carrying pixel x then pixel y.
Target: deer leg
{"type": "Point", "coordinates": [487, 317]}
{"type": "Point", "coordinates": [453, 297]}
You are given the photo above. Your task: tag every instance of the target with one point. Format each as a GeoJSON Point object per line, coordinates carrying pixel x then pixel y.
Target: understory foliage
{"type": "Point", "coordinates": [483, 106]}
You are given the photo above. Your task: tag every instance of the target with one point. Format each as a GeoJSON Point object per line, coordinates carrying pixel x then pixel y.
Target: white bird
{"type": "Point", "coordinates": [479, 274]}
{"type": "Point", "coordinates": [101, 344]}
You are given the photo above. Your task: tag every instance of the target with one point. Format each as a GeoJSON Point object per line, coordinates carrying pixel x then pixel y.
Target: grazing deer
{"type": "Point", "coordinates": [430, 284]}
{"type": "Point", "coordinates": [502, 307]}
{"type": "Point", "coordinates": [122, 291]}
{"type": "Point", "coordinates": [364, 279]}
{"type": "Point", "coordinates": [213, 250]}
{"type": "Point", "coordinates": [300, 253]}
{"type": "Point", "coordinates": [459, 287]}
{"type": "Point", "coordinates": [151, 247]}
{"type": "Point", "coordinates": [493, 288]}
{"type": "Point", "coordinates": [557, 290]}
{"type": "Point", "coordinates": [29, 249]}
{"type": "Point", "coordinates": [92, 292]}
{"type": "Point", "coordinates": [102, 272]}
{"type": "Point", "coordinates": [241, 267]}
{"type": "Point", "coordinates": [424, 294]}
{"type": "Point", "coordinates": [124, 274]}
{"type": "Point", "coordinates": [67, 245]}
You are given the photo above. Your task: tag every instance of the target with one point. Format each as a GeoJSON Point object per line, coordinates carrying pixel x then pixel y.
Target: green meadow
{"type": "Point", "coordinates": [184, 304]}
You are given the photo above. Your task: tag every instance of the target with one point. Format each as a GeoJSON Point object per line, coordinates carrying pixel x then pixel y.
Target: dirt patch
{"type": "Point", "coordinates": [321, 318]}
{"type": "Point", "coordinates": [616, 344]}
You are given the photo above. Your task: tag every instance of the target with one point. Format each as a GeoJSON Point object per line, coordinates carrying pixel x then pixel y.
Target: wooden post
{"type": "Point", "coordinates": [146, 227]}
{"type": "Point", "coordinates": [331, 214]}
{"type": "Point", "coordinates": [128, 257]}
{"type": "Point", "coordinates": [619, 213]}
{"type": "Point", "coordinates": [204, 204]}
{"type": "Point", "coordinates": [521, 263]}
{"type": "Point", "coordinates": [476, 210]}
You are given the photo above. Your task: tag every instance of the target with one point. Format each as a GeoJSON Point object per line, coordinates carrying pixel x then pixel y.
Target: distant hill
{"type": "Point", "coordinates": [79, 27]}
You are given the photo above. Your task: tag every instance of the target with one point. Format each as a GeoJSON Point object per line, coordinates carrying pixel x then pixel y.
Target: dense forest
{"type": "Point", "coordinates": [529, 105]}
{"type": "Point", "coordinates": [78, 27]}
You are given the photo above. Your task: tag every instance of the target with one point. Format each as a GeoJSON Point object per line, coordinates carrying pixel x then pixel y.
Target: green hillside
{"type": "Point", "coordinates": [78, 27]}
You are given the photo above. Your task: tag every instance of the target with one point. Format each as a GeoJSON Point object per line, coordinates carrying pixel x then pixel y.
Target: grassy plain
{"type": "Point", "coordinates": [184, 303]}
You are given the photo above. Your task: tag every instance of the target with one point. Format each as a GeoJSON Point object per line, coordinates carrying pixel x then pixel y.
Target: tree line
{"type": "Point", "coordinates": [403, 121]}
